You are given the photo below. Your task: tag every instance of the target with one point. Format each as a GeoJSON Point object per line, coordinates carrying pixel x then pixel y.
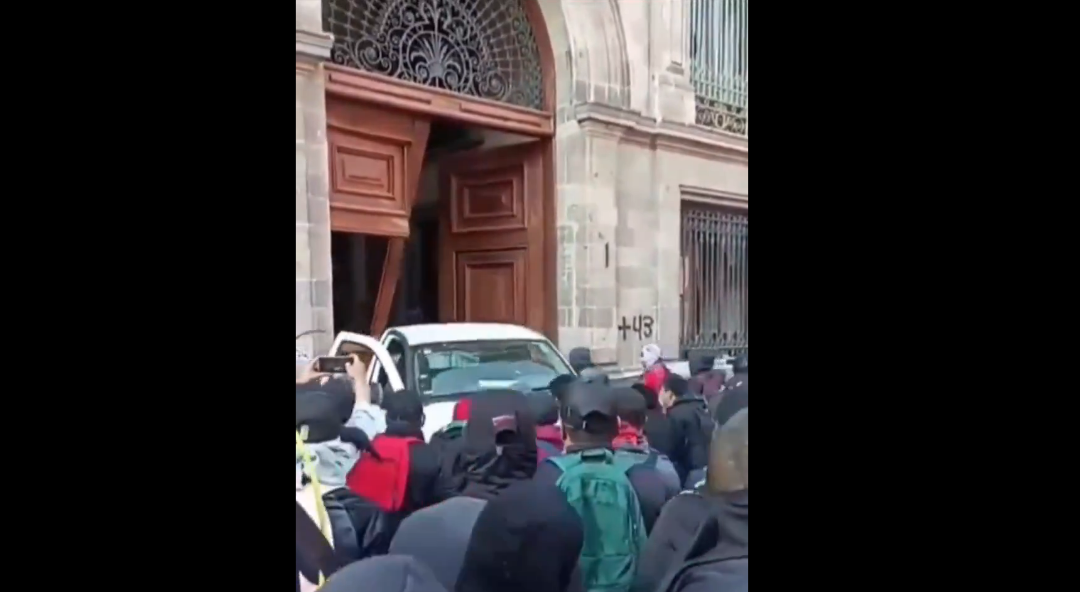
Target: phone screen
{"type": "Point", "coordinates": [332, 364]}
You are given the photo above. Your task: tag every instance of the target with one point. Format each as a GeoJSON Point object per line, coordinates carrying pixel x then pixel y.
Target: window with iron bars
{"type": "Point", "coordinates": [714, 295]}
{"type": "Point", "coordinates": [719, 68]}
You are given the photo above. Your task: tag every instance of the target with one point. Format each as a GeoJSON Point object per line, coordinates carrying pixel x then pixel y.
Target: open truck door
{"type": "Point", "coordinates": [373, 354]}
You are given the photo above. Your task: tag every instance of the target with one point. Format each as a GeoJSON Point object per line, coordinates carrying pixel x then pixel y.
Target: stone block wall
{"type": "Point", "coordinates": [314, 298]}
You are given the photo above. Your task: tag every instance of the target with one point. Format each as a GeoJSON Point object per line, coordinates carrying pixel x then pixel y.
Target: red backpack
{"type": "Point", "coordinates": [382, 477]}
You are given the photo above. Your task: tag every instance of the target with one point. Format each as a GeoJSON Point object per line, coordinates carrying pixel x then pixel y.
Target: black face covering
{"type": "Point", "coordinates": [500, 445]}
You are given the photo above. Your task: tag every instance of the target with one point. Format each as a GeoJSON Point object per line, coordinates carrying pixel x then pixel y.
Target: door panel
{"type": "Point", "coordinates": [375, 159]}
{"type": "Point", "coordinates": [492, 240]}
{"type": "Point", "coordinates": [490, 286]}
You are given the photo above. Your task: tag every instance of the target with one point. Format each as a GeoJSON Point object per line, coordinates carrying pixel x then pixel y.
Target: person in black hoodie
{"type": "Point", "coordinates": [736, 394]}
{"type": "Point", "coordinates": [499, 446]}
{"type": "Point", "coordinates": [526, 540]}
{"type": "Point", "coordinates": [705, 381]}
{"type": "Point", "coordinates": [389, 573]}
{"type": "Point", "coordinates": [699, 529]}
{"type": "Point", "coordinates": [657, 424]}
{"type": "Point", "coordinates": [691, 427]}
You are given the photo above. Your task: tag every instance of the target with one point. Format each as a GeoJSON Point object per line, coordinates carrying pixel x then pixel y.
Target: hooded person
{"type": "Point", "coordinates": [351, 526]}
{"type": "Point", "coordinates": [499, 446]}
{"type": "Point", "coordinates": [655, 372]}
{"type": "Point", "coordinates": [705, 381]}
{"type": "Point", "coordinates": [736, 394]}
{"type": "Point", "coordinates": [632, 442]}
{"type": "Point", "coordinates": [702, 536]}
{"type": "Point", "coordinates": [389, 573]}
{"type": "Point", "coordinates": [527, 540]}
{"type": "Point", "coordinates": [580, 358]}
{"type": "Point", "coordinates": [657, 424]}
{"type": "Point", "coordinates": [691, 428]}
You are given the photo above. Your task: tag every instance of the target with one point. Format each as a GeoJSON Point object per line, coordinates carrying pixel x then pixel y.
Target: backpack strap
{"type": "Point", "coordinates": [313, 551]}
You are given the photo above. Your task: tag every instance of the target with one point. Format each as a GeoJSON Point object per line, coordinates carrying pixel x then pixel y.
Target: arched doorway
{"type": "Point", "coordinates": [439, 129]}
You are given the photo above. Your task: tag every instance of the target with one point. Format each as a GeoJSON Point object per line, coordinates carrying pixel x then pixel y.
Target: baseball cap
{"type": "Point", "coordinates": [584, 400]}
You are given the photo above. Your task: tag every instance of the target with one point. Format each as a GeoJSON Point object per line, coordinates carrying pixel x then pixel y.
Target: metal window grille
{"type": "Point", "coordinates": [714, 279]}
{"type": "Point", "coordinates": [720, 68]}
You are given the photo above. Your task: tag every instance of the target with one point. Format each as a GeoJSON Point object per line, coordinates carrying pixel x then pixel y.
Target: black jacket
{"type": "Point", "coordinates": [736, 396]}
{"type": "Point", "coordinates": [646, 481]}
{"type": "Point", "coordinates": [359, 527]}
{"type": "Point", "coordinates": [526, 539]}
{"type": "Point", "coordinates": [691, 431]}
{"type": "Point", "coordinates": [658, 431]}
{"type": "Point", "coordinates": [677, 529]}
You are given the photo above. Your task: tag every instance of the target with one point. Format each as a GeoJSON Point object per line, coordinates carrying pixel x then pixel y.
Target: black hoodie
{"type": "Point", "coordinates": [676, 532]}
{"type": "Point", "coordinates": [527, 540]}
{"type": "Point", "coordinates": [480, 470]}
{"type": "Point", "coordinates": [388, 573]}
{"type": "Point", "coordinates": [691, 432]}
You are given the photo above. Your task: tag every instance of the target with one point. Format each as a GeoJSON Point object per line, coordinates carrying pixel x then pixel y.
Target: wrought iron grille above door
{"type": "Point", "coordinates": [714, 279]}
{"type": "Point", "coordinates": [481, 48]}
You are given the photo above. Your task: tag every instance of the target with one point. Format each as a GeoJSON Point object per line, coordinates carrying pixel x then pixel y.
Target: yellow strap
{"type": "Point", "coordinates": [307, 462]}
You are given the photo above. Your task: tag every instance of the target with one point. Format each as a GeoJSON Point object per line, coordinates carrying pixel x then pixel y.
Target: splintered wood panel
{"type": "Point", "coordinates": [492, 249]}
{"type": "Point", "coordinates": [490, 286]}
{"type": "Point", "coordinates": [375, 159]}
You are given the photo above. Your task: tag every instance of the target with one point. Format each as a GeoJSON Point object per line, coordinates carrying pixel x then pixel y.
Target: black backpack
{"type": "Point", "coordinates": [711, 565]}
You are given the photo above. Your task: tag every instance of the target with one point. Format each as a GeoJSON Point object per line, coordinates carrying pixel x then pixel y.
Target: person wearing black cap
{"type": "Point", "coordinates": [702, 541]}
{"type": "Point", "coordinates": [633, 493]}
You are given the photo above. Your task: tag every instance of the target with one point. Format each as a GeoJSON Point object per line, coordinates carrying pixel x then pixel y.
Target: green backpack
{"type": "Point", "coordinates": [596, 485]}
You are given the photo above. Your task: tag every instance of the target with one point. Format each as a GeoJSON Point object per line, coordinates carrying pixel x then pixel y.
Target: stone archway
{"type": "Point", "coordinates": [591, 66]}
{"type": "Point", "coordinates": [589, 50]}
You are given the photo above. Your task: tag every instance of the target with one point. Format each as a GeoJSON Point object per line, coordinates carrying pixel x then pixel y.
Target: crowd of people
{"type": "Point", "coordinates": [582, 488]}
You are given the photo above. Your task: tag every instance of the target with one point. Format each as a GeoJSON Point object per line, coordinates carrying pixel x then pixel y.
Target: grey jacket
{"type": "Point", "coordinates": [439, 535]}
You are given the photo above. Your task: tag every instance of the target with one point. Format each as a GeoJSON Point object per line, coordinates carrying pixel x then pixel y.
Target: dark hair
{"type": "Point", "coordinates": [559, 386]}
{"type": "Point", "coordinates": [631, 406]}
{"type": "Point", "coordinates": [404, 405]}
{"type": "Point", "coordinates": [677, 385]}
{"type": "Point", "coordinates": [652, 400]}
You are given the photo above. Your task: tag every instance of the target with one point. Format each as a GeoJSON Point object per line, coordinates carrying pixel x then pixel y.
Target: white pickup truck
{"type": "Point", "coordinates": [444, 361]}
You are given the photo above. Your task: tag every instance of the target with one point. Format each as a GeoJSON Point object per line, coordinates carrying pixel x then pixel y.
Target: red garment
{"type": "Point", "coordinates": [461, 409]}
{"type": "Point", "coordinates": [655, 376]}
{"type": "Point", "coordinates": [628, 436]}
{"type": "Point", "coordinates": [552, 434]}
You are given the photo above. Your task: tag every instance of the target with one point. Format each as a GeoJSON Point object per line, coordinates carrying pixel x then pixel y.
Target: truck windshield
{"type": "Point", "coordinates": [450, 368]}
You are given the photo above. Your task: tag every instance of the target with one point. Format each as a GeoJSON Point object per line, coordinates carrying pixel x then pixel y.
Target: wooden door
{"type": "Point", "coordinates": [376, 155]}
{"type": "Point", "coordinates": [492, 265]}
{"type": "Point", "coordinates": [375, 160]}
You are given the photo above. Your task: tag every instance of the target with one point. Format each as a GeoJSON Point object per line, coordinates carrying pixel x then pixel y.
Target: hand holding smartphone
{"type": "Point", "coordinates": [332, 364]}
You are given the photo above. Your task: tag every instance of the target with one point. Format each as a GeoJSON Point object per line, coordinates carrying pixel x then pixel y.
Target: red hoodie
{"type": "Point", "coordinates": [655, 376]}
{"type": "Point", "coordinates": [551, 434]}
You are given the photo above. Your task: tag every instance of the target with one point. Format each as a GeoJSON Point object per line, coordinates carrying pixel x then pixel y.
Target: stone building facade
{"type": "Point", "coordinates": [627, 155]}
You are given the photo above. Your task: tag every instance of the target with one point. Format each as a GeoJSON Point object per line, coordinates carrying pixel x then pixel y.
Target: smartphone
{"type": "Point", "coordinates": [332, 364]}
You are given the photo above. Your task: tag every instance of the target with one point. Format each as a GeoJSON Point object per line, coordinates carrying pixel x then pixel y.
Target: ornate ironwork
{"type": "Point", "coordinates": [715, 295]}
{"type": "Point", "coordinates": [482, 48]}
{"type": "Point", "coordinates": [721, 66]}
